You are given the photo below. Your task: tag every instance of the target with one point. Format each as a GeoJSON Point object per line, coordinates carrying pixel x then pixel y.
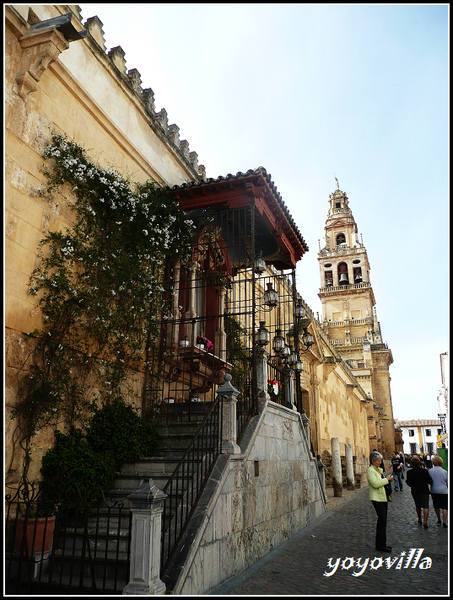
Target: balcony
{"type": "Point", "coordinates": [342, 288]}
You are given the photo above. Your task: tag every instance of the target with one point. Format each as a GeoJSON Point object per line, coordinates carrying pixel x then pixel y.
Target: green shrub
{"type": "Point", "coordinates": [73, 474]}
{"type": "Point", "coordinates": [116, 430]}
{"type": "Point", "coordinates": [79, 467]}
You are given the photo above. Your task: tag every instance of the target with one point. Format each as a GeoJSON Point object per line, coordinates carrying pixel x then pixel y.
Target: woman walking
{"type": "Point", "coordinates": [378, 497]}
{"type": "Point", "coordinates": [418, 478]}
{"type": "Point", "coordinates": [439, 489]}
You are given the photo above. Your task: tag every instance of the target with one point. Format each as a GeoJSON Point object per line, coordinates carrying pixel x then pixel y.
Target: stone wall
{"type": "Point", "coordinates": [69, 85]}
{"type": "Point", "coordinates": [266, 494]}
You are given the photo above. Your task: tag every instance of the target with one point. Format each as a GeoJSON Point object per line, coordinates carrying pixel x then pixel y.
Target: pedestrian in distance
{"type": "Point", "coordinates": [418, 479]}
{"type": "Point", "coordinates": [403, 465]}
{"type": "Point", "coordinates": [439, 489]}
{"type": "Point", "coordinates": [397, 472]}
{"type": "Point", "coordinates": [377, 482]}
{"type": "Point", "coordinates": [428, 461]}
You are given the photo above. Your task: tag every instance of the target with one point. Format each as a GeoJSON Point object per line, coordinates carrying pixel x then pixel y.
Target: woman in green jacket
{"type": "Point", "coordinates": [378, 497]}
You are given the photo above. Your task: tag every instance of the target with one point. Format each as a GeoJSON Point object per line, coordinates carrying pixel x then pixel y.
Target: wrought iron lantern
{"type": "Point", "coordinates": [299, 309]}
{"type": "Point", "coordinates": [299, 366]}
{"type": "Point", "coordinates": [260, 264]}
{"type": "Point", "coordinates": [278, 342]}
{"type": "Point", "coordinates": [285, 352]}
{"type": "Point", "coordinates": [270, 296]}
{"type": "Point", "coordinates": [263, 336]}
{"type": "Point", "coordinates": [307, 339]}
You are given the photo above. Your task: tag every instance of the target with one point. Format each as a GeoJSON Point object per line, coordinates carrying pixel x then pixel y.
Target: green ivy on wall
{"type": "Point", "coordinates": [99, 288]}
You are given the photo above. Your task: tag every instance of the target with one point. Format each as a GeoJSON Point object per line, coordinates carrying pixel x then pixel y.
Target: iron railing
{"type": "Point", "coordinates": [83, 551]}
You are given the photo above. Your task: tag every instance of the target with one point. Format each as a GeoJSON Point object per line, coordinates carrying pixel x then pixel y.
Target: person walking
{"type": "Point", "coordinates": [397, 472]}
{"type": "Point", "coordinates": [439, 489]}
{"type": "Point", "coordinates": [418, 479]}
{"type": "Point", "coordinates": [403, 465]}
{"type": "Point", "coordinates": [378, 497]}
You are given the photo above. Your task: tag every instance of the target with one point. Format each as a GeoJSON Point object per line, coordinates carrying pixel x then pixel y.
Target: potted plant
{"type": "Point", "coordinates": [34, 534]}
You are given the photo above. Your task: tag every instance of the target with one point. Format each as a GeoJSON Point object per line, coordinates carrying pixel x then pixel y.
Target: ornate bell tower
{"type": "Point", "coordinates": [350, 320]}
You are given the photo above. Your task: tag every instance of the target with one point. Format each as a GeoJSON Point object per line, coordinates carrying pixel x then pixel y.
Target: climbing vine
{"type": "Point", "coordinates": [99, 287]}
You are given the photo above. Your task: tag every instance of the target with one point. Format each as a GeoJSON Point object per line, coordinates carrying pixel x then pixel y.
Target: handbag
{"type": "Point", "coordinates": [388, 487]}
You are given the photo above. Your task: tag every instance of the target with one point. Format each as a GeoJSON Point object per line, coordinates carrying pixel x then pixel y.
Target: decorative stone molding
{"type": "Point", "coordinates": [185, 149]}
{"type": "Point", "coordinates": [42, 45]}
{"type": "Point", "coordinates": [328, 366]}
{"type": "Point", "coordinates": [94, 26]}
{"type": "Point", "coordinates": [117, 55]}
{"type": "Point", "coordinates": [40, 50]}
{"type": "Point", "coordinates": [193, 158]}
{"type": "Point", "coordinates": [350, 387]}
{"type": "Point", "coordinates": [162, 119]}
{"type": "Point", "coordinates": [148, 99]}
{"type": "Point", "coordinates": [135, 80]}
{"type": "Point", "coordinates": [173, 134]}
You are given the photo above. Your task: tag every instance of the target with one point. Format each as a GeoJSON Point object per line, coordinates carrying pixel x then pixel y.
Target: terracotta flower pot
{"type": "Point", "coordinates": [39, 532]}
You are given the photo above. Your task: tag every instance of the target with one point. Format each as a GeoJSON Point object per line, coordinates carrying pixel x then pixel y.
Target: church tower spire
{"type": "Point", "coordinates": [350, 318]}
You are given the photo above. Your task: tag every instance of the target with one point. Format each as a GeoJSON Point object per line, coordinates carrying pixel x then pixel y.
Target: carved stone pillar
{"type": "Point", "coordinates": [289, 388]}
{"type": "Point", "coordinates": [229, 421]}
{"type": "Point", "coordinates": [147, 507]}
{"type": "Point", "coordinates": [337, 479]}
{"type": "Point", "coordinates": [350, 479]}
{"type": "Point", "coordinates": [261, 376]}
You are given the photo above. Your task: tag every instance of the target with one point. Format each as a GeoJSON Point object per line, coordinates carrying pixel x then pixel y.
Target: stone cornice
{"type": "Point", "coordinates": [40, 49]}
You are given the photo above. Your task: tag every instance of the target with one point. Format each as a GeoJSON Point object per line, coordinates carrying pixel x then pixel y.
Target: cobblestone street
{"type": "Point", "coordinates": [344, 536]}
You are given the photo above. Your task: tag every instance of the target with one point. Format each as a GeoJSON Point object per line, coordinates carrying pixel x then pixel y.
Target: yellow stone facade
{"type": "Point", "coordinates": [59, 78]}
{"type": "Point", "coordinates": [350, 319]}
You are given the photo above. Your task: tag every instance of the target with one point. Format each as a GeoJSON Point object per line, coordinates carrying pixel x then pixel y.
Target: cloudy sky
{"type": "Point", "coordinates": [310, 92]}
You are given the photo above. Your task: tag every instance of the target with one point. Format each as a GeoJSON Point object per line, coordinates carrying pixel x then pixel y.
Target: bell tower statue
{"type": "Point", "coordinates": [350, 319]}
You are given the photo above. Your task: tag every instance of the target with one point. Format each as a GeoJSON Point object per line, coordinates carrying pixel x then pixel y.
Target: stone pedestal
{"type": "Point", "coordinates": [147, 508]}
{"type": "Point", "coordinates": [229, 422]}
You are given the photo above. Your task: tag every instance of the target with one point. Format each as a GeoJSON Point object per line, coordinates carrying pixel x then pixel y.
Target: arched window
{"type": "Point", "coordinates": [358, 275]}
{"type": "Point", "coordinates": [340, 239]}
{"type": "Point", "coordinates": [343, 278]}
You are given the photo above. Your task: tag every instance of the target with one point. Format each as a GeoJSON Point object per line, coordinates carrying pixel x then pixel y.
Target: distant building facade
{"type": "Point", "coordinates": [420, 435]}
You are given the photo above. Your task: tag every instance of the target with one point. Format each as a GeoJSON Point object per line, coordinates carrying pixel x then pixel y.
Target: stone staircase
{"type": "Point", "coordinates": [97, 557]}
{"type": "Point", "coordinates": [175, 437]}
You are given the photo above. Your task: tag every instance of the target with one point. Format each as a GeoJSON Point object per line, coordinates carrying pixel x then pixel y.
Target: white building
{"type": "Point", "coordinates": [420, 435]}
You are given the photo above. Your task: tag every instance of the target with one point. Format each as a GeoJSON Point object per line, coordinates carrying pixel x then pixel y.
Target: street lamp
{"type": "Point", "coordinates": [260, 264]}
{"type": "Point", "coordinates": [263, 336]}
{"type": "Point", "coordinates": [278, 342]}
{"type": "Point", "coordinates": [270, 297]}
{"type": "Point", "coordinates": [307, 340]}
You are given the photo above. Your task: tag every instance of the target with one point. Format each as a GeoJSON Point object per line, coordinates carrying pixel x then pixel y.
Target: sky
{"type": "Point", "coordinates": [312, 92]}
